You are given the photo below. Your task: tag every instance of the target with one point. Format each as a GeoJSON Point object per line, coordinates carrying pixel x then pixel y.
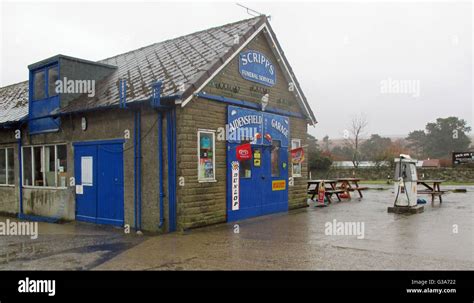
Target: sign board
{"type": "Point", "coordinates": [463, 158]}
{"type": "Point", "coordinates": [257, 127]}
{"type": "Point", "coordinates": [86, 171]}
{"type": "Point", "coordinates": [278, 185]}
{"type": "Point", "coordinates": [79, 190]}
{"type": "Point", "coordinates": [235, 185]}
{"type": "Point", "coordinates": [297, 155]}
{"type": "Point", "coordinates": [244, 152]}
{"type": "Point", "coordinates": [255, 66]}
{"type": "Point", "coordinates": [244, 125]}
{"type": "Point", "coordinates": [277, 128]}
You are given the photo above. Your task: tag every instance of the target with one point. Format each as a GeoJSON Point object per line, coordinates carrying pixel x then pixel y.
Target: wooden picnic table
{"type": "Point", "coordinates": [350, 185]}
{"type": "Point", "coordinates": [313, 186]}
{"type": "Point", "coordinates": [433, 188]}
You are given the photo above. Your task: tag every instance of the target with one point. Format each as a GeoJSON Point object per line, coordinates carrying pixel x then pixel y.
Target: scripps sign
{"type": "Point", "coordinates": [254, 66]}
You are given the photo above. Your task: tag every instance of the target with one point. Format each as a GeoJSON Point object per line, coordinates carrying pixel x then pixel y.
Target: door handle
{"type": "Point", "coordinates": [263, 177]}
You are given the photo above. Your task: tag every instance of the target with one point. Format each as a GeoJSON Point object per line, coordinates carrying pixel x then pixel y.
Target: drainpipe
{"type": "Point", "coordinates": [137, 170]}
{"type": "Point", "coordinates": [160, 163]}
{"type": "Point", "coordinates": [20, 184]}
{"type": "Point", "coordinates": [139, 162]}
{"type": "Point", "coordinates": [171, 142]}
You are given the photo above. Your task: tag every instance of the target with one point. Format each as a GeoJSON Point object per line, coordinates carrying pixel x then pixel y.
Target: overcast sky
{"type": "Point", "coordinates": [348, 56]}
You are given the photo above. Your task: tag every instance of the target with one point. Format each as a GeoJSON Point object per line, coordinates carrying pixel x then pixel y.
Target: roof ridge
{"type": "Point", "coordinates": [182, 36]}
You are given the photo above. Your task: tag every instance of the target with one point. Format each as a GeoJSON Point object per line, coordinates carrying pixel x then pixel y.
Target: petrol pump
{"type": "Point", "coordinates": [406, 182]}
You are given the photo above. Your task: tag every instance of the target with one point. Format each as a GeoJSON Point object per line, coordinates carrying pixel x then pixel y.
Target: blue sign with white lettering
{"type": "Point", "coordinates": [278, 127]}
{"type": "Point", "coordinates": [244, 125]}
{"type": "Point", "coordinates": [257, 127]}
{"type": "Point", "coordinates": [255, 66]}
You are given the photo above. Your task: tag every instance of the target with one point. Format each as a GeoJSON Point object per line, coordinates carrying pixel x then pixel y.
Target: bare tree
{"type": "Point", "coordinates": [353, 136]}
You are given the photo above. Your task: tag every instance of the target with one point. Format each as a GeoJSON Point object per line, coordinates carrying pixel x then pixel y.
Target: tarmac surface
{"type": "Point", "coordinates": [442, 237]}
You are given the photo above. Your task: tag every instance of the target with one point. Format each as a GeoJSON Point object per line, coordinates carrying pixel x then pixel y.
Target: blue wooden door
{"type": "Point", "coordinates": [99, 174]}
{"type": "Point", "coordinates": [251, 179]}
{"type": "Point", "coordinates": [275, 197]}
{"type": "Point", "coordinates": [262, 188]}
{"type": "Point", "coordinates": [85, 158]}
{"type": "Point", "coordinates": [110, 192]}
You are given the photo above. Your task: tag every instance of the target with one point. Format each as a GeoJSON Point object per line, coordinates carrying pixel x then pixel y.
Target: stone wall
{"type": "Point", "coordinates": [448, 174]}
{"type": "Point", "coordinates": [204, 203]}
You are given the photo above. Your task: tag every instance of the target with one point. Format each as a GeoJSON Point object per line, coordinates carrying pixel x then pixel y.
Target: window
{"type": "Point", "coordinates": [61, 151]}
{"type": "Point", "coordinates": [10, 167]}
{"type": "Point", "coordinates": [296, 167]}
{"type": "Point", "coordinates": [27, 166]}
{"type": "Point", "coordinates": [44, 82]}
{"type": "Point", "coordinates": [53, 76]}
{"type": "Point", "coordinates": [206, 156]}
{"type": "Point", "coordinates": [45, 166]}
{"type": "Point", "coordinates": [276, 158]}
{"type": "Point", "coordinates": [38, 168]}
{"type": "Point", "coordinates": [7, 170]}
{"type": "Point", "coordinates": [49, 166]}
{"type": "Point", "coordinates": [38, 85]}
{"type": "Point", "coordinates": [245, 166]}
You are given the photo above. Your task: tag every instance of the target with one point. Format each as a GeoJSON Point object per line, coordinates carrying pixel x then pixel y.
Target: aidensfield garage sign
{"type": "Point", "coordinates": [254, 66]}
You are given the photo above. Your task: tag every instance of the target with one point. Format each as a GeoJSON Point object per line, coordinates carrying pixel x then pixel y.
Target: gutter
{"type": "Point", "coordinates": [99, 108]}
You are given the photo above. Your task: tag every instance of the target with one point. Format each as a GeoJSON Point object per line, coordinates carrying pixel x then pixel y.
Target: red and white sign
{"type": "Point", "coordinates": [244, 152]}
{"type": "Point", "coordinates": [297, 155]}
{"type": "Point", "coordinates": [235, 185]}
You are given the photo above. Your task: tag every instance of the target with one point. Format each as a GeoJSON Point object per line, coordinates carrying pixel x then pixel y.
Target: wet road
{"type": "Point", "coordinates": [294, 240]}
{"type": "Point", "coordinates": [297, 240]}
{"type": "Point", "coordinates": [69, 246]}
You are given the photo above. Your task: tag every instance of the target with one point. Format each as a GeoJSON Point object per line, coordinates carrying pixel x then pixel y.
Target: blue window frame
{"type": "Point", "coordinates": [44, 82]}
{"type": "Point", "coordinates": [44, 99]}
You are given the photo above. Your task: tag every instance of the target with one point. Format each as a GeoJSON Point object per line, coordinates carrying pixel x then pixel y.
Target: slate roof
{"type": "Point", "coordinates": [13, 102]}
{"type": "Point", "coordinates": [180, 62]}
{"type": "Point", "coordinates": [183, 64]}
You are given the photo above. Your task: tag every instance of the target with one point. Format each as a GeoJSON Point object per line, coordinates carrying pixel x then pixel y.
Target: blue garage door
{"type": "Point", "coordinates": [257, 186]}
{"type": "Point", "coordinates": [99, 176]}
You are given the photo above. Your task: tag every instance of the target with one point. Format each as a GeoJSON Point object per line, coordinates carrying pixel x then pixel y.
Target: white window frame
{"type": "Point", "coordinates": [213, 133]}
{"type": "Point", "coordinates": [43, 146]}
{"type": "Point", "coordinates": [5, 149]}
{"type": "Point", "coordinates": [300, 164]}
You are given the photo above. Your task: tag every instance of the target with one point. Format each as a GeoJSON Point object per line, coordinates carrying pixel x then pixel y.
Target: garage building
{"type": "Point", "coordinates": [202, 129]}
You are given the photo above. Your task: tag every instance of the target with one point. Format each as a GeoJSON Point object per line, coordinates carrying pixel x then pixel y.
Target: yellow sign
{"type": "Point", "coordinates": [256, 154]}
{"type": "Point", "coordinates": [279, 185]}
